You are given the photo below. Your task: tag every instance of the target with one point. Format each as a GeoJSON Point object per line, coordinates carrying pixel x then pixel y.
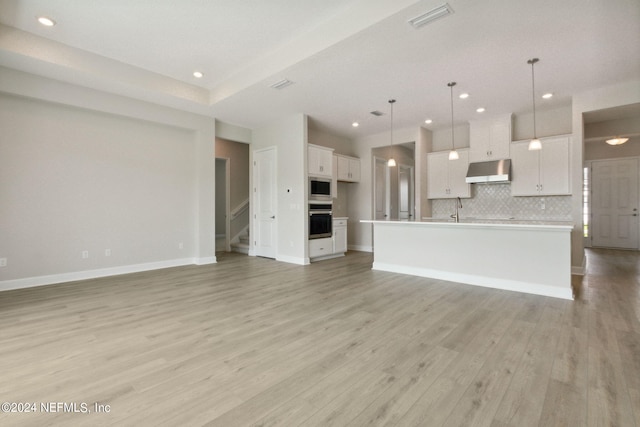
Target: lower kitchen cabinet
{"type": "Point", "coordinates": [320, 247]}
{"type": "Point", "coordinates": [330, 247]}
{"type": "Point", "coordinates": [339, 236]}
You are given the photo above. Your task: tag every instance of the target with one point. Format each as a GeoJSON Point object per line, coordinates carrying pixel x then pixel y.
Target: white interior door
{"type": "Point", "coordinates": [405, 192]}
{"type": "Point", "coordinates": [381, 180]}
{"type": "Point", "coordinates": [265, 202]}
{"type": "Point", "coordinates": [614, 203]}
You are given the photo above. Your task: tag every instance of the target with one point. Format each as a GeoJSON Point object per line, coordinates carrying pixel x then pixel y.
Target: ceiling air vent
{"type": "Point", "coordinates": [377, 113]}
{"type": "Point", "coordinates": [430, 16]}
{"type": "Point", "coordinates": [281, 84]}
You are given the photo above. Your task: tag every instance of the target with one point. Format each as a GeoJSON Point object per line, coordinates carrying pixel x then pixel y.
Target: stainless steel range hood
{"type": "Point", "coordinates": [495, 171]}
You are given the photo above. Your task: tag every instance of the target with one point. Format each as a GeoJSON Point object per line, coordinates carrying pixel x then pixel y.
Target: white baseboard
{"type": "Point", "coordinates": [508, 285]}
{"type": "Point", "coordinates": [292, 259]}
{"type": "Point", "coordinates": [30, 282]}
{"type": "Point", "coordinates": [580, 270]}
{"type": "Point", "coordinates": [205, 260]}
{"type": "Point", "coordinates": [361, 248]}
{"type": "Point", "coordinates": [322, 258]}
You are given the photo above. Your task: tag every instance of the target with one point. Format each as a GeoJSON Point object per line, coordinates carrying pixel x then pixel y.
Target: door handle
{"type": "Point", "coordinates": [273, 217]}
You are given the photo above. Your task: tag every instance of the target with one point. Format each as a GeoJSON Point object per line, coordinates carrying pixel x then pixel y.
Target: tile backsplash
{"type": "Point", "coordinates": [495, 201]}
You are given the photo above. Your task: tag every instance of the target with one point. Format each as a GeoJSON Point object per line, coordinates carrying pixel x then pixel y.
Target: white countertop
{"type": "Point", "coordinates": [480, 223]}
{"type": "Point", "coordinates": [339, 217]}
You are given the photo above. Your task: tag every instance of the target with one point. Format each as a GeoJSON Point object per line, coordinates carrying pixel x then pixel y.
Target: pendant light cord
{"type": "Point", "coordinates": [391, 141]}
{"type": "Point", "coordinates": [451, 85]}
{"type": "Point", "coordinates": [533, 94]}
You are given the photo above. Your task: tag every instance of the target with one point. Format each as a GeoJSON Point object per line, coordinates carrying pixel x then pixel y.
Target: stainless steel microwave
{"type": "Point", "coordinates": [320, 188]}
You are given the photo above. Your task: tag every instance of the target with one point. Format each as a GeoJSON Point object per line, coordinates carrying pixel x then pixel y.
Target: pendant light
{"type": "Point", "coordinates": [535, 143]}
{"type": "Point", "coordinates": [391, 163]}
{"type": "Point", "coordinates": [453, 154]}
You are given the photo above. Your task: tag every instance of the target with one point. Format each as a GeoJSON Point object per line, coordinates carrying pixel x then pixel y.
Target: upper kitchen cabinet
{"type": "Point", "coordinates": [490, 139]}
{"type": "Point", "coordinates": [320, 160]}
{"type": "Point", "coordinates": [348, 168]}
{"type": "Point", "coordinates": [543, 172]}
{"type": "Point", "coordinates": [446, 178]}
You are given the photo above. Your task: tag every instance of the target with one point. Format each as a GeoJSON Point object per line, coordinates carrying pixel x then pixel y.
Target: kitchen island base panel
{"type": "Point", "coordinates": [523, 258]}
{"type": "Point", "coordinates": [487, 282]}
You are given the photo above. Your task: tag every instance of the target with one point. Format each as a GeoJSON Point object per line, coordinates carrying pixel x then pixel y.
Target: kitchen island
{"type": "Point", "coordinates": [523, 256]}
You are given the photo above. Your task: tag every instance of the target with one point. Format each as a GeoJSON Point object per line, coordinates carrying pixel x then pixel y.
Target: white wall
{"type": "Point", "coordinates": [361, 196]}
{"type": "Point", "coordinates": [549, 122]}
{"type": "Point", "coordinates": [221, 196]}
{"type": "Point", "coordinates": [238, 155]}
{"type": "Point", "coordinates": [623, 93]}
{"type": "Point", "coordinates": [601, 150]}
{"type": "Point", "coordinates": [442, 138]}
{"type": "Point", "coordinates": [289, 136]}
{"type": "Point", "coordinates": [339, 144]}
{"type": "Point", "coordinates": [82, 170]}
{"type": "Point", "coordinates": [232, 133]}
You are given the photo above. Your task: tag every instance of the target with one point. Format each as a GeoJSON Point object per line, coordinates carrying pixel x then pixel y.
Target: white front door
{"type": "Point", "coordinates": [615, 203]}
{"type": "Point", "coordinates": [264, 196]}
{"type": "Point", "coordinates": [381, 180]}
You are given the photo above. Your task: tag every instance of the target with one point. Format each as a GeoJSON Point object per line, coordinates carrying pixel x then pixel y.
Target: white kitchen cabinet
{"type": "Point", "coordinates": [543, 172]}
{"type": "Point", "coordinates": [320, 160]}
{"type": "Point", "coordinates": [320, 247]}
{"type": "Point", "coordinates": [446, 178]}
{"type": "Point", "coordinates": [490, 139]}
{"type": "Point", "coordinates": [330, 247]}
{"type": "Point", "coordinates": [348, 168]}
{"type": "Point", "coordinates": [339, 236]}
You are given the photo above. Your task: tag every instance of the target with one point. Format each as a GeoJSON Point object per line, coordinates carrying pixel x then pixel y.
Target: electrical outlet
{"type": "Point", "coordinates": [542, 204]}
{"type": "Point", "coordinates": [181, 246]}
{"type": "Point", "coordinates": [107, 252]}
{"type": "Point", "coordinates": [3, 262]}
{"type": "Point", "coordinates": [85, 254]}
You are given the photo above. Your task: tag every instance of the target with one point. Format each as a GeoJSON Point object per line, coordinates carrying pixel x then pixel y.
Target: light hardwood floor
{"type": "Point", "coordinates": [255, 342]}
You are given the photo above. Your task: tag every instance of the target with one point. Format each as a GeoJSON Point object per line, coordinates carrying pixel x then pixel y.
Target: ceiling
{"type": "Point", "coordinates": [345, 57]}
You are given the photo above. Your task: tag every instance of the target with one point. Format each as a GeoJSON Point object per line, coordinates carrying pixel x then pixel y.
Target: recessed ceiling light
{"type": "Point", "coordinates": [464, 95]}
{"type": "Point", "coordinates": [355, 124]}
{"type": "Point", "coordinates": [547, 95]}
{"type": "Point", "coordinates": [47, 22]}
{"type": "Point", "coordinates": [480, 110]}
{"type": "Point", "coordinates": [198, 74]}
{"type": "Point", "coordinates": [428, 121]}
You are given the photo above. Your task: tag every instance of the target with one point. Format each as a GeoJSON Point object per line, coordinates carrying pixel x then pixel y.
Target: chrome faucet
{"type": "Point", "coordinates": [456, 216]}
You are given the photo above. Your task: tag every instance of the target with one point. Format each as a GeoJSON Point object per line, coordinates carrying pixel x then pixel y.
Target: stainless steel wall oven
{"type": "Point", "coordinates": [320, 221]}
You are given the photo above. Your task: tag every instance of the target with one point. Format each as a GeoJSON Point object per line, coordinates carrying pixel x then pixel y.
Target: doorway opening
{"type": "Point", "coordinates": [222, 205]}
{"type": "Point", "coordinates": [394, 186]}
{"type": "Point", "coordinates": [232, 196]}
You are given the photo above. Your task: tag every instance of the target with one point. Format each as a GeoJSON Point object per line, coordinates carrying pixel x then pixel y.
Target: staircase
{"type": "Point", "coordinates": [242, 245]}
{"type": "Point", "coordinates": [239, 225]}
